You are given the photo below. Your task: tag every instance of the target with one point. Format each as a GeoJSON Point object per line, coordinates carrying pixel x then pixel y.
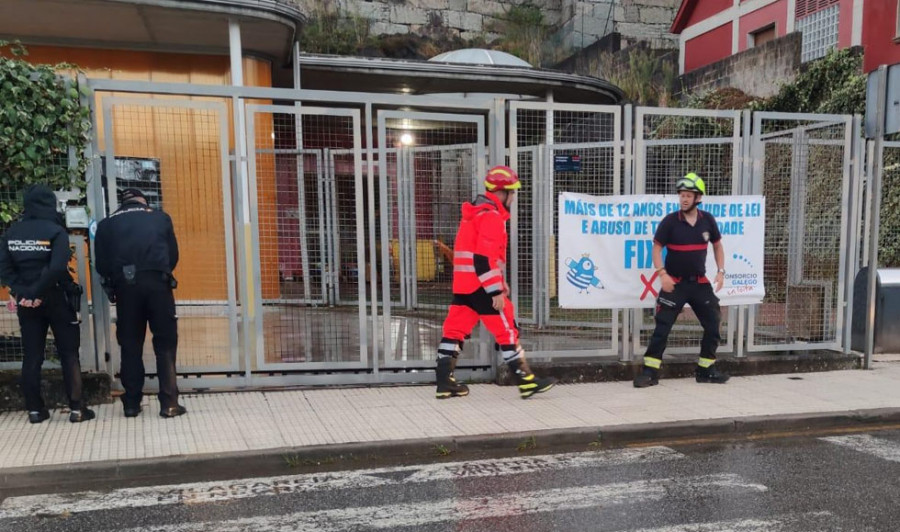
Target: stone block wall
{"type": "Point", "coordinates": [758, 71]}
{"type": "Point", "coordinates": [635, 20]}
{"type": "Point", "coordinates": [578, 23]}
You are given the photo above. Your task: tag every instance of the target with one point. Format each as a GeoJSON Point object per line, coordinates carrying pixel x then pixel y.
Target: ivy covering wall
{"type": "Point", "coordinates": [43, 129]}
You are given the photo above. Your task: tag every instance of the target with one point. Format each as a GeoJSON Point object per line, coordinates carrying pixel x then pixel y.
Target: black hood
{"type": "Point", "coordinates": [40, 202]}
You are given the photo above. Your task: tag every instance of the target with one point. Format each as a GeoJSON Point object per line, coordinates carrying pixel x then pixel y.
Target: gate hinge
{"type": "Point", "coordinates": [106, 356]}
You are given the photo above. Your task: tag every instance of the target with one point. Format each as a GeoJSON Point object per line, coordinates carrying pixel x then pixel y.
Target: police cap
{"type": "Point", "coordinates": [130, 194]}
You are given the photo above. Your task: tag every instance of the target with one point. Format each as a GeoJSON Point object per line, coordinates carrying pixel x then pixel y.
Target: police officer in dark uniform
{"type": "Point", "coordinates": [34, 260]}
{"type": "Point", "coordinates": [136, 252]}
{"type": "Point", "coordinates": [686, 234]}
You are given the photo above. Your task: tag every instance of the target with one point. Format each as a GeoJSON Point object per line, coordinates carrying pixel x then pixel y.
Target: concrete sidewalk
{"type": "Point", "coordinates": [220, 424]}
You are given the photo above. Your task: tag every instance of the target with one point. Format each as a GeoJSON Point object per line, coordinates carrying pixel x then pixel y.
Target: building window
{"type": "Point", "coordinates": [820, 32]}
{"type": "Point", "coordinates": [761, 36]}
{"type": "Point", "coordinates": [808, 7]}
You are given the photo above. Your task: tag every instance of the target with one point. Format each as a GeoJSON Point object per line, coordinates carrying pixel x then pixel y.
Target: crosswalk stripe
{"type": "Point", "coordinates": [492, 506]}
{"type": "Point", "coordinates": [864, 443]}
{"type": "Point", "coordinates": [204, 492]}
{"type": "Point", "coordinates": [780, 524]}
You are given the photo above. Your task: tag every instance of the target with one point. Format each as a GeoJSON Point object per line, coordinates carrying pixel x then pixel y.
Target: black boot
{"type": "Point", "coordinates": [173, 411]}
{"type": "Point", "coordinates": [712, 375]}
{"type": "Point", "coordinates": [648, 377]}
{"type": "Point", "coordinates": [38, 416]}
{"type": "Point", "coordinates": [85, 414]}
{"type": "Point", "coordinates": [447, 386]}
{"type": "Point", "coordinates": [528, 383]}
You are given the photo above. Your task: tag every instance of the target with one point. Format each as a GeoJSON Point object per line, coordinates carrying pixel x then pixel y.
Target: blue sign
{"type": "Point", "coordinates": [567, 163]}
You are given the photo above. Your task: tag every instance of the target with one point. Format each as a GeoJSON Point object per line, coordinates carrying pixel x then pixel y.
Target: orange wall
{"type": "Point", "coordinates": [187, 144]}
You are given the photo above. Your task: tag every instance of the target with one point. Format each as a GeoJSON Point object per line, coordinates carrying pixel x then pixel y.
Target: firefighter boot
{"type": "Point", "coordinates": [528, 383]}
{"type": "Point", "coordinates": [446, 382]}
{"type": "Point", "coordinates": [648, 377]}
{"type": "Point", "coordinates": [711, 374]}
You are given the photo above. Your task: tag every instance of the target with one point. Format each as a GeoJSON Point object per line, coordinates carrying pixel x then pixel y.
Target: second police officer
{"type": "Point", "coordinates": [34, 264]}
{"type": "Point", "coordinates": [136, 252]}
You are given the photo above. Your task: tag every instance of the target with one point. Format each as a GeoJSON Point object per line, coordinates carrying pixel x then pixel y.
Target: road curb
{"type": "Point", "coordinates": [221, 466]}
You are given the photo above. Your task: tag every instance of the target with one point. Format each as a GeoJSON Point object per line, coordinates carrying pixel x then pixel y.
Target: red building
{"type": "Point", "coordinates": [712, 30]}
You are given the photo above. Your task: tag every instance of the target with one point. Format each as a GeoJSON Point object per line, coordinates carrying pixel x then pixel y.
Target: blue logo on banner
{"type": "Point", "coordinates": [581, 273]}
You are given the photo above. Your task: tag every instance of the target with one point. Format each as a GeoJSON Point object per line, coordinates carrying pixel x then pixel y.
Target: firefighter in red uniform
{"type": "Point", "coordinates": [479, 290]}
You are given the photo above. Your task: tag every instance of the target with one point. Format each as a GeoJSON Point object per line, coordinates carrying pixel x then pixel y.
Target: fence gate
{"type": "Point", "coordinates": [176, 152]}
{"type": "Point", "coordinates": [556, 148]}
{"type": "Point", "coordinates": [428, 165]}
{"type": "Point", "coordinates": [670, 143]}
{"type": "Point", "coordinates": [802, 166]}
{"type": "Point", "coordinates": [307, 208]}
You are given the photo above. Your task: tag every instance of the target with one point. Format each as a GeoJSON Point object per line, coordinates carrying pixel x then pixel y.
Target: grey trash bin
{"type": "Point", "coordinates": [887, 310]}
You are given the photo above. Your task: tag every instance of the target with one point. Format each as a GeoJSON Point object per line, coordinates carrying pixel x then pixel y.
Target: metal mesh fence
{"type": "Point", "coordinates": [531, 136]}
{"type": "Point", "coordinates": [588, 137]}
{"type": "Point", "coordinates": [174, 153]}
{"type": "Point", "coordinates": [586, 140]}
{"type": "Point", "coordinates": [802, 181]}
{"type": "Point", "coordinates": [889, 229]}
{"type": "Point", "coordinates": [675, 145]}
{"type": "Point", "coordinates": [306, 217]}
{"type": "Point", "coordinates": [10, 334]}
{"type": "Point", "coordinates": [433, 166]}
{"type": "Point", "coordinates": [308, 203]}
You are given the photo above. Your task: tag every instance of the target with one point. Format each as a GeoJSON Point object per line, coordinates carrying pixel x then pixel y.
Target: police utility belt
{"type": "Point", "coordinates": [129, 274]}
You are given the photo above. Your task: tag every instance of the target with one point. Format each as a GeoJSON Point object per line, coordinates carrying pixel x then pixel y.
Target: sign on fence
{"type": "Point", "coordinates": [605, 246]}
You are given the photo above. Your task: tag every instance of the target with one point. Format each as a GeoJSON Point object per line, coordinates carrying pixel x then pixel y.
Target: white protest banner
{"type": "Point", "coordinates": [605, 245]}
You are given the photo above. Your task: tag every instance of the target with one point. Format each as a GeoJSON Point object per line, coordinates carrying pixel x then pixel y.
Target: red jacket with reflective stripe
{"type": "Point", "coordinates": [482, 231]}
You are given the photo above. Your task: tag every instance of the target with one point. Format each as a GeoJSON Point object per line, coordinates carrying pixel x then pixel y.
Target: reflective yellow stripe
{"type": "Point", "coordinates": [706, 362]}
{"type": "Point", "coordinates": [499, 171]}
{"type": "Point", "coordinates": [528, 386]}
{"type": "Point", "coordinates": [652, 362]}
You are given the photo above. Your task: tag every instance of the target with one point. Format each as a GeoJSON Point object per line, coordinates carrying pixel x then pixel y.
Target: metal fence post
{"type": "Point", "coordinates": [875, 214]}
{"type": "Point", "coordinates": [99, 305]}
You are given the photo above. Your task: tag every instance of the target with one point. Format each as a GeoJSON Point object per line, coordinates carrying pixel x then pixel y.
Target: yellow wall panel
{"type": "Point", "coordinates": [187, 144]}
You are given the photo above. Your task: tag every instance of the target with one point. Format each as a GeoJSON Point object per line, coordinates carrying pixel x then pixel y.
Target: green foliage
{"type": "Point", "coordinates": [41, 118]}
{"type": "Point", "coordinates": [333, 32]}
{"type": "Point", "coordinates": [646, 79]}
{"type": "Point", "coordinates": [442, 450]}
{"type": "Point", "coordinates": [528, 444]}
{"type": "Point", "coordinates": [724, 98]}
{"type": "Point", "coordinates": [833, 84]}
{"type": "Point", "coordinates": [523, 33]}
{"type": "Point", "coordinates": [888, 241]}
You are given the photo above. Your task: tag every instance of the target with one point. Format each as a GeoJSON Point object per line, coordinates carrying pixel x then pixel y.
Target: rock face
{"type": "Point", "coordinates": [574, 24]}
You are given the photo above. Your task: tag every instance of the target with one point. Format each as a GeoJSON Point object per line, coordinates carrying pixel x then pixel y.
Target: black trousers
{"type": "Point", "coordinates": [55, 314]}
{"type": "Point", "coordinates": [705, 305]}
{"type": "Point", "coordinates": [149, 300]}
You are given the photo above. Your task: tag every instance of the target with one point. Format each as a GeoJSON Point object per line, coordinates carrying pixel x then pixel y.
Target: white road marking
{"type": "Point", "coordinates": [779, 524]}
{"type": "Point", "coordinates": [204, 492]}
{"type": "Point", "coordinates": [864, 443]}
{"type": "Point", "coordinates": [493, 506]}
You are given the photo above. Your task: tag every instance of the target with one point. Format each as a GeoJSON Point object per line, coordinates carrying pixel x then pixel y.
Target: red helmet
{"type": "Point", "coordinates": [502, 178]}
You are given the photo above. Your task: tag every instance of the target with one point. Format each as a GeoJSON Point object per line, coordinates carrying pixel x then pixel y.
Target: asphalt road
{"type": "Point", "coordinates": [846, 482]}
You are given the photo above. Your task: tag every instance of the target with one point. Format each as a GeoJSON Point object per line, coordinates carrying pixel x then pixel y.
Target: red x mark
{"type": "Point", "coordinates": [648, 285]}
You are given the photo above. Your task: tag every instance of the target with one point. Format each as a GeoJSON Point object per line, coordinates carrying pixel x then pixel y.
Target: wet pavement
{"type": "Point", "coordinates": [839, 482]}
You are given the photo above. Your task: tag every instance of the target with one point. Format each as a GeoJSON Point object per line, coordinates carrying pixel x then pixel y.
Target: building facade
{"type": "Point", "coordinates": [712, 30]}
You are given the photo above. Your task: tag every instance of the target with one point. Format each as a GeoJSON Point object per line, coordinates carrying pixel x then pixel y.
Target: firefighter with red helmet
{"type": "Point", "coordinates": [480, 292]}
